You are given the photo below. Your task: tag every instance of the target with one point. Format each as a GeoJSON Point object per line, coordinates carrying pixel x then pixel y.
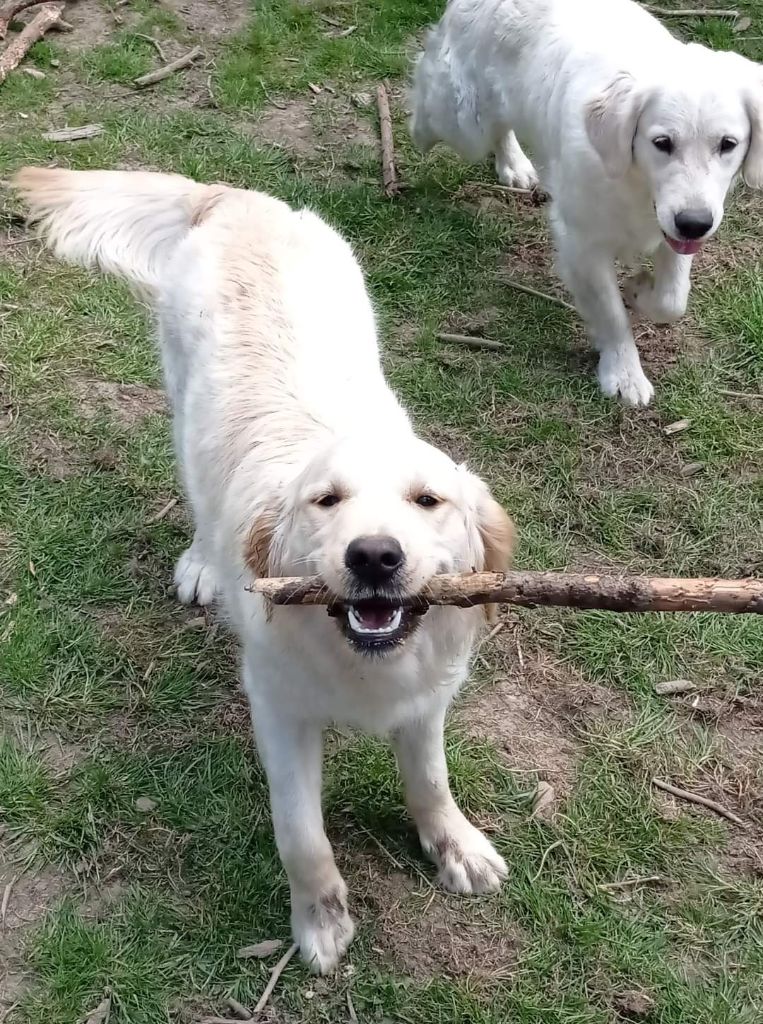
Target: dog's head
{"type": "Point", "coordinates": [690, 134]}
{"type": "Point", "coordinates": [376, 521]}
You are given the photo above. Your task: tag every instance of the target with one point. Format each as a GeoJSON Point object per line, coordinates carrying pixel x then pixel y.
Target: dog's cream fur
{"type": "Point", "coordinates": [271, 363]}
{"type": "Point", "coordinates": [588, 85]}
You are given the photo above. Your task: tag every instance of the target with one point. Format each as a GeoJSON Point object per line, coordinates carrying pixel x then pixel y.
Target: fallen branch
{"type": "Point", "coordinates": [741, 394]}
{"type": "Point", "coordinates": [389, 171]}
{"type": "Point", "coordinates": [275, 974]}
{"type": "Point", "coordinates": [695, 798]}
{"type": "Point", "coordinates": [238, 1009]}
{"type": "Point", "coordinates": [470, 342]}
{"type": "Point", "coordinates": [558, 589]}
{"type": "Point", "coordinates": [518, 286]}
{"type": "Point", "coordinates": [32, 33]}
{"type": "Point", "coordinates": [85, 131]}
{"type": "Point", "coordinates": [169, 69]}
{"type": "Point", "coordinates": [9, 11]}
{"type": "Point", "coordinates": [698, 12]}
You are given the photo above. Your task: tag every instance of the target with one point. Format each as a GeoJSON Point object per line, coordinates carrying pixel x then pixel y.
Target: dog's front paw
{"type": "Point", "coordinates": [322, 928]}
{"type": "Point", "coordinates": [518, 174]}
{"type": "Point", "coordinates": [641, 296]}
{"type": "Point", "coordinates": [194, 579]}
{"type": "Point", "coordinates": [467, 861]}
{"type": "Point", "coordinates": [624, 378]}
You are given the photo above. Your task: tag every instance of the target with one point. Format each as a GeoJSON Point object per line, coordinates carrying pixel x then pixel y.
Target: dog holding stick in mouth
{"type": "Point", "coordinates": [298, 459]}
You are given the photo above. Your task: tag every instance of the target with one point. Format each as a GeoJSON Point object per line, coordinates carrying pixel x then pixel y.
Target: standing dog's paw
{"type": "Point", "coordinates": [468, 861]}
{"type": "Point", "coordinates": [623, 377]}
{"type": "Point", "coordinates": [322, 928]}
{"type": "Point", "coordinates": [520, 174]}
{"type": "Point", "coordinates": [194, 579]}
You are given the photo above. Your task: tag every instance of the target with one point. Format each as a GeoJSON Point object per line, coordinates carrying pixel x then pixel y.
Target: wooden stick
{"type": "Point", "coordinates": [570, 590]}
{"type": "Point", "coordinates": [389, 171]}
{"type": "Point", "coordinates": [275, 974]}
{"type": "Point", "coordinates": [153, 42]}
{"type": "Point", "coordinates": [470, 342]}
{"type": "Point", "coordinates": [740, 394]}
{"type": "Point", "coordinates": [85, 131]}
{"type": "Point", "coordinates": [695, 798]}
{"type": "Point", "coordinates": [628, 883]}
{"type": "Point", "coordinates": [238, 1009]}
{"type": "Point", "coordinates": [32, 33]}
{"type": "Point", "coordinates": [169, 69]}
{"type": "Point", "coordinates": [699, 12]}
{"type": "Point", "coordinates": [518, 286]}
{"type": "Point", "coordinates": [9, 11]}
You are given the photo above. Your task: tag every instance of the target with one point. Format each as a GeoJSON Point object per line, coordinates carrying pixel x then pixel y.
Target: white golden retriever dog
{"type": "Point", "coordinates": [298, 459]}
{"type": "Point", "coordinates": [637, 136]}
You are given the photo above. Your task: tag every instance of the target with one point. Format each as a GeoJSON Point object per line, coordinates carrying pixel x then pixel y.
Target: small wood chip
{"type": "Point", "coordinates": [315, 89]}
{"type": "Point", "coordinates": [673, 686]}
{"type": "Point", "coordinates": [543, 800]}
{"type": "Point", "coordinates": [34, 73]}
{"type": "Point", "coordinates": [260, 950]}
{"type": "Point", "coordinates": [361, 99]}
{"type": "Point", "coordinates": [692, 468]}
{"type": "Point", "coordinates": [238, 1009]}
{"type": "Point", "coordinates": [85, 131]}
{"type": "Point", "coordinates": [676, 428]}
{"type": "Point", "coordinates": [145, 804]}
{"type": "Point", "coordinates": [741, 25]}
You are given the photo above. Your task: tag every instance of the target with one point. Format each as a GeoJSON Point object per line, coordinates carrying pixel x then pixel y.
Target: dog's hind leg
{"type": "Point", "coordinates": [664, 296]}
{"type": "Point", "coordinates": [511, 165]}
{"type": "Point", "coordinates": [590, 276]}
{"type": "Point", "coordinates": [467, 861]}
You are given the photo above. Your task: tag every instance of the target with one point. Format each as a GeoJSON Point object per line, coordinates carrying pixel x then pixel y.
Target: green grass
{"type": "Point", "coordinates": [110, 693]}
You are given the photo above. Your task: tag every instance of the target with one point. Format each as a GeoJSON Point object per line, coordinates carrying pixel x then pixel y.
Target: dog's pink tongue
{"type": "Point", "coordinates": [374, 617]}
{"type": "Point", "coordinates": [687, 248]}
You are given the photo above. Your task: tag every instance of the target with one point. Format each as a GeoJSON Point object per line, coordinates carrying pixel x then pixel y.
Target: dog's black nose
{"type": "Point", "coordinates": [693, 223]}
{"type": "Point", "coordinates": [374, 559]}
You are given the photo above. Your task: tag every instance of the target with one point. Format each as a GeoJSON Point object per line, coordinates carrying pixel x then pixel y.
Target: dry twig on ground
{"type": "Point", "coordinates": [695, 798]}
{"type": "Point", "coordinates": [169, 69]}
{"type": "Point", "coordinates": [389, 171]}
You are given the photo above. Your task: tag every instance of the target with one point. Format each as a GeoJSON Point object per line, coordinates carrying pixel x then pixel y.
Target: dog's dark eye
{"type": "Point", "coordinates": [728, 144]}
{"type": "Point", "coordinates": [427, 501]}
{"type": "Point", "coordinates": [663, 143]}
{"type": "Point", "coordinates": [328, 500]}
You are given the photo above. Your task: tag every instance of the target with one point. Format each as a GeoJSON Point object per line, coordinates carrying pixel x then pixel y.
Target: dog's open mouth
{"type": "Point", "coordinates": [375, 625]}
{"type": "Point", "coordinates": [684, 247]}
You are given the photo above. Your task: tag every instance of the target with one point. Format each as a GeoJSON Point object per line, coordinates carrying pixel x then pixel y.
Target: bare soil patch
{"type": "Point", "coordinates": [128, 404]}
{"type": "Point", "coordinates": [535, 711]}
{"type": "Point", "coordinates": [213, 18]}
{"type": "Point", "coordinates": [309, 127]}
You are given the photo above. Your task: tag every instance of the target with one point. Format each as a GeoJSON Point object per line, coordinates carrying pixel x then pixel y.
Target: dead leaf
{"type": "Point", "coordinates": [260, 949]}
{"type": "Point", "coordinates": [676, 428]}
{"type": "Point", "coordinates": [633, 1004]}
{"type": "Point", "coordinates": [102, 1012]}
{"type": "Point", "coordinates": [542, 801]}
{"type": "Point", "coordinates": [145, 804]}
{"type": "Point", "coordinates": [692, 468]}
{"type": "Point", "coordinates": [741, 25]}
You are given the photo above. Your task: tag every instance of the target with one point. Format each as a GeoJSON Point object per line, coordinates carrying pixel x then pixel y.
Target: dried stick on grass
{"type": "Point", "coordinates": [9, 11]}
{"type": "Point", "coordinates": [696, 12]}
{"type": "Point", "coordinates": [570, 590]}
{"type": "Point", "coordinates": [32, 33]}
{"type": "Point", "coordinates": [275, 974]}
{"type": "Point", "coordinates": [518, 286]}
{"type": "Point", "coordinates": [470, 342]}
{"type": "Point", "coordinates": [703, 801]}
{"type": "Point", "coordinates": [169, 69]}
{"type": "Point", "coordinates": [85, 131]}
{"type": "Point", "coordinates": [389, 171]}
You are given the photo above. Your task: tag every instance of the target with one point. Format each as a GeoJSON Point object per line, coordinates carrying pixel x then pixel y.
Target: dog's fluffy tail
{"type": "Point", "coordinates": [126, 223]}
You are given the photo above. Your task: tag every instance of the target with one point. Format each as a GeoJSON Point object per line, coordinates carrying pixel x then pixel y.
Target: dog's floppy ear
{"type": "Point", "coordinates": [260, 548]}
{"type": "Point", "coordinates": [611, 119]}
{"type": "Point", "coordinates": [752, 170]}
{"type": "Point", "coordinates": [497, 536]}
